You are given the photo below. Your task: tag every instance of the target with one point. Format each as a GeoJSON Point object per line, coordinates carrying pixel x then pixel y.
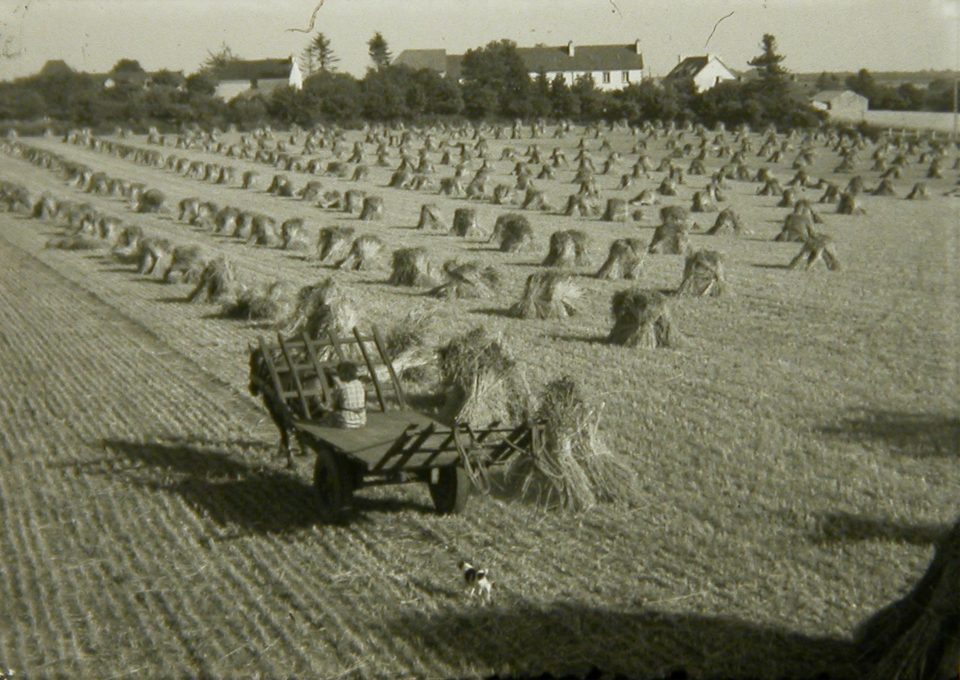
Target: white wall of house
{"type": "Point", "coordinates": [713, 73]}
{"type": "Point", "coordinates": [228, 89]}
{"type": "Point", "coordinates": [848, 105]}
{"type": "Point", "coordinates": [604, 80]}
{"type": "Point", "coordinates": [296, 77]}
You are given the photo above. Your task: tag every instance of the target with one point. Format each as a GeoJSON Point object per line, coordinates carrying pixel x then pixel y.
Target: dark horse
{"type": "Point", "coordinates": [280, 412]}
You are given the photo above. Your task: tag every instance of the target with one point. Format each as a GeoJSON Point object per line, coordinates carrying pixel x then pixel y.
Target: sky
{"type": "Point", "coordinates": [814, 35]}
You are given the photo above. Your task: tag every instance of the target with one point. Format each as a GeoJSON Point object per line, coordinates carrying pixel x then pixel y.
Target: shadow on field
{"type": "Point", "coordinates": [256, 498]}
{"type": "Point", "coordinates": [589, 338]}
{"type": "Point", "coordinates": [559, 639]}
{"type": "Point", "coordinates": [921, 435]}
{"type": "Point", "coordinates": [838, 527]}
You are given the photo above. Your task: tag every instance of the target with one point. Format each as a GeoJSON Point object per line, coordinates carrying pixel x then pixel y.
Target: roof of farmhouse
{"type": "Point", "coordinates": [829, 95]}
{"type": "Point", "coordinates": [255, 69]}
{"type": "Point", "coordinates": [540, 58]}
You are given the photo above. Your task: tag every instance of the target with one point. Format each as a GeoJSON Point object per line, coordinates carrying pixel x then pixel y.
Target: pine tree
{"type": "Point", "coordinates": [379, 51]}
{"type": "Point", "coordinates": [306, 61]}
{"type": "Point", "coordinates": [323, 56]}
{"type": "Point", "coordinates": [768, 63]}
{"type": "Point", "coordinates": [219, 59]}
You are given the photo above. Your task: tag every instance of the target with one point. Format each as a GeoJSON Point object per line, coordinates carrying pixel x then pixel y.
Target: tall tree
{"type": "Point", "coordinates": [219, 59]}
{"type": "Point", "coordinates": [767, 63]}
{"type": "Point", "coordinates": [379, 51]}
{"type": "Point", "coordinates": [495, 80]}
{"type": "Point", "coordinates": [306, 62]}
{"type": "Point", "coordinates": [323, 56]}
{"type": "Point", "coordinates": [127, 66]}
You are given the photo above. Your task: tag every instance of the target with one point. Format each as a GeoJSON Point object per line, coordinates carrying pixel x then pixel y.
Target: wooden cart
{"type": "Point", "coordinates": [398, 444]}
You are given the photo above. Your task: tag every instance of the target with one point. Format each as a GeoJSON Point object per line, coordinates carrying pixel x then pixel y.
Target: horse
{"type": "Point", "coordinates": [280, 410]}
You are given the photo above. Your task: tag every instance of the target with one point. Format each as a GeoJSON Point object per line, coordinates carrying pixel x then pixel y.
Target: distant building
{"type": "Point", "coordinates": [705, 71]}
{"type": "Point", "coordinates": [612, 67]}
{"type": "Point", "coordinates": [258, 76]}
{"type": "Point", "coordinates": [841, 103]}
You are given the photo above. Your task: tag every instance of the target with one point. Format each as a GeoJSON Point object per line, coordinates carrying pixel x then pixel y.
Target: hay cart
{"type": "Point", "coordinates": [398, 444]}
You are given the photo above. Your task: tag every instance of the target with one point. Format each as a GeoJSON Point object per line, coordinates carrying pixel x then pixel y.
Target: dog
{"type": "Point", "coordinates": [476, 581]}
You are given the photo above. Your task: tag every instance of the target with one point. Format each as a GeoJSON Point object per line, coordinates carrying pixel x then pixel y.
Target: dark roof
{"type": "Point", "coordinates": [687, 68]}
{"type": "Point", "coordinates": [536, 59]}
{"type": "Point", "coordinates": [256, 69]}
{"type": "Point", "coordinates": [585, 58]}
{"type": "Point", "coordinates": [435, 60]}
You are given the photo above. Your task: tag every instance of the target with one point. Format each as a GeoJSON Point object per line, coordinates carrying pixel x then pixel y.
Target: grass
{"type": "Point", "coordinates": [795, 457]}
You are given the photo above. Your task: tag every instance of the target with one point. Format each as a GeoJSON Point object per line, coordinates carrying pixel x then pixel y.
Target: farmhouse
{"type": "Point", "coordinates": [705, 71]}
{"type": "Point", "coordinates": [841, 103]}
{"type": "Point", "coordinates": [261, 76]}
{"type": "Point", "coordinates": [612, 67]}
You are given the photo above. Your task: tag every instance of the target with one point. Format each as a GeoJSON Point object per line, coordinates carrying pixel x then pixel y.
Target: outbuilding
{"type": "Point", "coordinates": [841, 104]}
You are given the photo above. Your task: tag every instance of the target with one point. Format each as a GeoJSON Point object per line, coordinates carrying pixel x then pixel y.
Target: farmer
{"type": "Point", "coordinates": [349, 398]}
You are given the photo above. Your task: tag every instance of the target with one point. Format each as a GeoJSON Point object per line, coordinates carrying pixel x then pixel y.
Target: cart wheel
{"type": "Point", "coordinates": [331, 476]}
{"type": "Point", "coordinates": [451, 491]}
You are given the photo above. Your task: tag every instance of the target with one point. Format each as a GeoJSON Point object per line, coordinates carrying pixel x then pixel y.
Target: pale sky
{"type": "Point", "coordinates": [815, 35]}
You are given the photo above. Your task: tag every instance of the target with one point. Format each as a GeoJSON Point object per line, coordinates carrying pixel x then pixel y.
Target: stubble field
{"type": "Point", "coordinates": [797, 455]}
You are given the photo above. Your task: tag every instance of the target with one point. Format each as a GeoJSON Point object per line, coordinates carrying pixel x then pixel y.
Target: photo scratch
{"type": "Point", "coordinates": [715, 27]}
{"type": "Point", "coordinates": [313, 20]}
{"type": "Point", "coordinates": [617, 9]}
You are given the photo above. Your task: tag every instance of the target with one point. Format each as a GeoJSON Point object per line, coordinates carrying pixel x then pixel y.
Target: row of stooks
{"type": "Point", "coordinates": [547, 295]}
{"type": "Point", "coordinates": [817, 246]}
{"type": "Point", "coordinates": [584, 203]}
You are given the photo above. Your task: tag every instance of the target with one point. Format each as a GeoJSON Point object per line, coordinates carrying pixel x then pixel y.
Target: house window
{"type": "Point", "coordinates": [625, 76]}
{"type": "Point", "coordinates": [606, 77]}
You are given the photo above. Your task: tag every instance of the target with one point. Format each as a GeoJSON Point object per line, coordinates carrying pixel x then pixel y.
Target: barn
{"type": "Point", "coordinates": [841, 104]}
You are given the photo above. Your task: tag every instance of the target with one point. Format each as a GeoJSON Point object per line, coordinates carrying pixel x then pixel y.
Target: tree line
{"type": "Point", "coordinates": [936, 96]}
{"type": "Point", "coordinates": [493, 85]}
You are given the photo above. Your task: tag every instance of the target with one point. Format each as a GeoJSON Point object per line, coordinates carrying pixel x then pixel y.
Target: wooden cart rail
{"type": "Point", "coordinates": [299, 370]}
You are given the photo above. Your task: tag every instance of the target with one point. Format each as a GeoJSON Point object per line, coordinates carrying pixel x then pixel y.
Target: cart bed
{"type": "Point", "coordinates": [391, 440]}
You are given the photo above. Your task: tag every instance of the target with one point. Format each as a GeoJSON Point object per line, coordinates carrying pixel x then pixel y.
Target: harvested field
{"type": "Point", "coordinates": [796, 457]}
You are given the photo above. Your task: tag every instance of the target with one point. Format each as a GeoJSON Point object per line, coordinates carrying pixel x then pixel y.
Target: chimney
{"type": "Point", "coordinates": [636, 46]}
{"type": "Point", "coordinates": [570, 50]}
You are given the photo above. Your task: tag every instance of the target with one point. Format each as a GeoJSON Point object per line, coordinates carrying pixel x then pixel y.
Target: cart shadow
{"type": "Point", "coordinates": [251, 498]}
{"type": "Point", "coordinates": [565, 638]}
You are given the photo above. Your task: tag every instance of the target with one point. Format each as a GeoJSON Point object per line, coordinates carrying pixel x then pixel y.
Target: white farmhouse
{"type": "Point", "coordinates": [612, 67]}
{"type": "Point", "coordinates": [706, 71]}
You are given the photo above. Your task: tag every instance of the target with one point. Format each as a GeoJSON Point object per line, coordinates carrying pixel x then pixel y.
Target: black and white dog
{"type": "Point", "coordinates": [476, 581]}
